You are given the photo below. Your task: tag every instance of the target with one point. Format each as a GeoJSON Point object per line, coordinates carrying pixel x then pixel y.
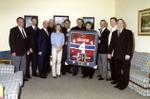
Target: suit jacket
{"type": "Point", "coordinates": [50, 30]}
{"type": "Point", "coordinates": [64, 30]}
{"type": "Point", "coordinates": [103, 45]}
{"type": "Point", "coordinates": [17, 43]}
{"type": "Point", "coordinates": [78, 29]}
{"type": "Point", "coordinates": [122, 45]}
{"type": "Point", "coordinates": [32, 38]}
{"type": "Point", "coordinates": [44, 42]}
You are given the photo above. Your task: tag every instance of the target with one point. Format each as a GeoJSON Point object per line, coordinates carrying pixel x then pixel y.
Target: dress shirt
{"type": "Point", "coordinates": [110, 34]}
{"type": "Point", "coordinates": [23, 33]}
{"type": "Point", "coordinates": [46, 31]}
{"type": "Point", "coordinates": [57, 39]}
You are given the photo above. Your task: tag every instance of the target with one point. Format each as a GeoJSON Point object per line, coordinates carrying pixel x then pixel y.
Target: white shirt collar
{"type": "Point", "coordinates": [102, 29]}
{"type": "Point", "coordinates": [45, 29]}
{"type": "Point", "coordinates": [114, 29]}
{"type": "Point", "coordinates": [20, 28]}
{"type": "Point", "coordinates": [33, 26]}
{"type": "Point", "coordinates": [120, 30]}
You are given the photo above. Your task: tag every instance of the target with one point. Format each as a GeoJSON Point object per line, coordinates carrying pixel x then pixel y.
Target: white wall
{"type": "Point", "coordinates": [128, 10]}
{"type": "Point", "coordinates": [45, 9]}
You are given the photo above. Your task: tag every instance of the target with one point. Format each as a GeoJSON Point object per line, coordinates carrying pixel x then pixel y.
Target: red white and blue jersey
{"type": "Point", "coordinates": [82, 48]}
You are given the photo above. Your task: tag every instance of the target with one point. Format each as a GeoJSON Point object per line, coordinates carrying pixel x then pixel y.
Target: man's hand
{"type": "Point", "coordinates": [31, 51]}
{"type": "Point", "coordinates": [109, 56]}
{"type": "Point", "coordinates": [28, 53]}
{"type": "Point", "coordinates": [40, 53]}
{"type": "Point", "coordinates": [127, 57]}
{"type": "Point", "coordinates": [13, 54]}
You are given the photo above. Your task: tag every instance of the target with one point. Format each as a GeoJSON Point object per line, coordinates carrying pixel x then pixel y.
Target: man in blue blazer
{"type": "Point", "coordinates": [43, 50]}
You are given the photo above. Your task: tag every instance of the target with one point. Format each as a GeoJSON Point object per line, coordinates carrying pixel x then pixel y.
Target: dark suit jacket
{"type": "Point", "coordinates": [103, 45]}
{"type": "Point", "coordinates": [77, 28]}
{"type": "Point", "coordinates": [17, 43]}
{"type": "Point", "coordinates": [44, 42]}
{"type": "Point", "coordinates": [122, 45]}
{"type": "Point", "coordinates": [50, 30]}
{"type": "Point", "coordinates": [32, 38]}
{"type": "Point", "coordinates": [64, 30]}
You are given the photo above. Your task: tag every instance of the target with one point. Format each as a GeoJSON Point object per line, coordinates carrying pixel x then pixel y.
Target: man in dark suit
{"type": "Point", "coordinates": [32, 32]}
{"type": "Point", "coordinates": [113, 23]}
{"type": "Point", "coordinates": [50, 29]}
{"type": "Point", "coordinates": [122, 44]}
{"type": "Point", "coordinates": [103, 50]}
{"type": "Point", "coordinates": [51, 26]}
{"type": "Point", "coordinates": [43, 50]}
{"type": "Point", "coordinates": [79, 27]}
{"type": "Point", "coordinates": [18, 46]}
{"type": "Point", "coordinates": [65, 68]}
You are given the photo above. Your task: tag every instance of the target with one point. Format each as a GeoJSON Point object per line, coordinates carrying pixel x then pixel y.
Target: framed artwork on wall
{"type": "Point", "coordinates": [89, 19]}
{"type": "Point", "coordinates": [144, 22]}
{"type": "Point", "coordinates": [27, 19]}
{"type": "Point", "coordinates": [59, 19]}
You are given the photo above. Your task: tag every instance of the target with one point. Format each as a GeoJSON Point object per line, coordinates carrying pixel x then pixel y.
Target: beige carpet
{"type": "Point", "coordinates": [69, 87]}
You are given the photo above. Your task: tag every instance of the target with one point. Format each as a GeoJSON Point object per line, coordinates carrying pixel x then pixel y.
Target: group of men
{"type": "Point", "coordinates": [31, 49]}
{"type": "Point", "coordinates": [115, 52]}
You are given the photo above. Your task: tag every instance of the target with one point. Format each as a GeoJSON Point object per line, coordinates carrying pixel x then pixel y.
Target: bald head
{"type": "Point", "coordinates": [45, 24]}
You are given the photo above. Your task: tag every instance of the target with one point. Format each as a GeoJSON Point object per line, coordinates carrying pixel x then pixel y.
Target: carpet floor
{"type": "Point", "coordinates": [69, 87]}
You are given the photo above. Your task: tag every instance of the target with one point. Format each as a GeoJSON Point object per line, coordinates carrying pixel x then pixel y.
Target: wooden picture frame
{"type": "Point", "coordinates": [59, 19]}
{"type": "Point", "coordinates": [144, 22]}
{"type": "Point", "coordinates": [27, 19]}
{"type": "Point", "coordinates": [89, 19]}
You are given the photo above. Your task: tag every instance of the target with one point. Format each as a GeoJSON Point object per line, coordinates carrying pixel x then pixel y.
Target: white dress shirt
{"type": "Point", "coordinates": [46, 31]}
{"type": "Point", "coordinates": [23, 33]}
{"type": "Point", "coordinates": [110, 34]}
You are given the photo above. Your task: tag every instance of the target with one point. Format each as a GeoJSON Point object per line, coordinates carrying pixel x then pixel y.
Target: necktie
{"type": "Point", "coordinates": [24, 36]}
{"type": "Point", "coordinates": [47, 32]}
{"type": "Point", "coordinates": [119, 32]}
{"type": "Point", "coordinates": [100, 31]}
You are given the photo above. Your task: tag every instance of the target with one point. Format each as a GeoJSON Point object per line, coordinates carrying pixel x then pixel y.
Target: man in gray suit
{"type": "Point", "coordinates": [18, 46]}
{"type": "Point", "coordinates": [103, 50]}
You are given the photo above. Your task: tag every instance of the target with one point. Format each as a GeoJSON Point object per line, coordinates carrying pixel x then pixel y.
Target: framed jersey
{"type": "Point", "coordinates": [82, 48]}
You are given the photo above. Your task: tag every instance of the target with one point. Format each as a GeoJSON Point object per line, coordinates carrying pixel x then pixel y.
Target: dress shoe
{"type": "Point", "coordinates": [109, 79]}
{"type": "Point", "coordinates": [43, 76]}
{"type": "Point", "coordinates": [58, 75]}
{"type": "Point", "coordinates": [63, 73]}
{"type": "Point", "coordinates": [122, 88]}
{"type": "Point", "coordinates": [100, 78]}
{"type": "Point", "coordinates": [113, 82]}
{"type": "Point", "coordinates": [84, 76]}
{"type": "Point", "coordinates": [28, 77]}
{"type": "Point", "coordinates": [90, 77]}
{"type": "Point", "coordinates": [69, 71]}
{"type": "Point", "coordinates": [35, 74]}
{"type": "Point", "coordinates": [117, 86]}
{"type": "Point", "coordinates": [74, 74]}
{"type": "Point", "coordinates": [54, 77]}
{"type": "Point", "coordinates": [25, 79]}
